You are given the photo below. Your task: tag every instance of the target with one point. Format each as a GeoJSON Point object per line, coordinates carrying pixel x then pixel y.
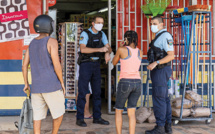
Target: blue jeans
{"type": "Point", "coordinates": [89, 72]}
{"type": "Point", "coordinates": [128, 89]}
{"type": "Point", "coordinates": [161, 101]}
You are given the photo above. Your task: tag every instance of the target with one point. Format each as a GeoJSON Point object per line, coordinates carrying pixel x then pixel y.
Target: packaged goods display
{"type": "Point", "coordinates": [69, 34]}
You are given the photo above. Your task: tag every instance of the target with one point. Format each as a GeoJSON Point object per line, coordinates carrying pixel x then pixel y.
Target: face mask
{"type": "Point", "coordinates": [154, 28]}
{"type": "Point", "coordinates": [98, 27]}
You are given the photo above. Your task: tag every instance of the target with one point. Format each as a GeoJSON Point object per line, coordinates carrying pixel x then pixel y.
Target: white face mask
{"type": "Point", "coordinates": [98, 27]}
{"type": "Point", "coordinates": [154, 28]}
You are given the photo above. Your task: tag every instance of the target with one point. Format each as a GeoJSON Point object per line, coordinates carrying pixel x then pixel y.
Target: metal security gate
{"type": "Point", "coordinates": [130, 17]}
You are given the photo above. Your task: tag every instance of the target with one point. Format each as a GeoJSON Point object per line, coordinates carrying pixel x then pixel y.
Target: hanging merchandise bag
{"type": "Point", "coordinates": [170, 85]}
{"type": "Point", "coordinates": [177, 88]}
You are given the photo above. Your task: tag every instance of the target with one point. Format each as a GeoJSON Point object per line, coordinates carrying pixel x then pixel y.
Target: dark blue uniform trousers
{"type": "Point", "coordinates": [161, 102]}
{"type": "Point", "coordinates": [89, 72]}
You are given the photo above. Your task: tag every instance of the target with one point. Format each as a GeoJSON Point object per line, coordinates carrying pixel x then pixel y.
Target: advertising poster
{"type": "Point", "coordinates": [14, 22]}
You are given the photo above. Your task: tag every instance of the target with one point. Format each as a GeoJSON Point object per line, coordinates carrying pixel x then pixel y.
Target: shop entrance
{"type": "Point", "coordinates": [72, 17]}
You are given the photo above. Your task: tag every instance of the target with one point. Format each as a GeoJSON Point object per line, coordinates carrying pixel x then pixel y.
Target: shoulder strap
{"type": "Point", "coordinates": [89, 35]}
{"type": "Point", "coordinates": [156, 37]}
{"type": "Point", "coordinates": [128, 51]}
{"type": "Point", "coordinates": [100, 35]}
{"type": "Point", "coordinates": [88, 32]}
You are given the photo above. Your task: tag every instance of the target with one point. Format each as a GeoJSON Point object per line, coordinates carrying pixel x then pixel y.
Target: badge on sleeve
{"type": "Point", "coordinates": [81, 38]}
{"type": "Point", "coordinates": [170, 42]}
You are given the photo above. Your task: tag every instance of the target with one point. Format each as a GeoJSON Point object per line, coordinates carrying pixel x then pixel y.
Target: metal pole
{"type": "Point", "coordinates": [213, 27]}
{"type": "Point", "coordinates": [44, 6]}
{"type": "Point", "coordinates": [186, 70]}
{"type": "Point", "coordinates": [210, 64]}
{"type": "Point", "coordinates": [214, 89]}
{"type": "Point", "coordinates": [109, 70]}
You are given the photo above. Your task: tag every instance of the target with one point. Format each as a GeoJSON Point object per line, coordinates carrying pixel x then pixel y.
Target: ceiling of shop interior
{"type": "Point", "coordinates": [80, 6]}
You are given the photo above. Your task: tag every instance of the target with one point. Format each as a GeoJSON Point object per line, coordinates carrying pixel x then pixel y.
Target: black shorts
{"type": "Point", "coordinates": [128, 89]}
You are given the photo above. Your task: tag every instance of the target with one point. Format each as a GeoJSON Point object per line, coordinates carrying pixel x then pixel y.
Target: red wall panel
{"type": "Point", "coordinates": [12, 50]}
{"type": "Point", "coordinates": [132, 8]}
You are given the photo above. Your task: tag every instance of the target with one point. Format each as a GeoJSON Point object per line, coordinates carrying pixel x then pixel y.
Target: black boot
{"type": "Point", "coordinates": [168, 128]}
{"type": "Point", "coordinates": [81, 123]}
{"type": "Point", "coordinates": [100, 121]}
{"type": "Point", "coordinates": [156, 130]}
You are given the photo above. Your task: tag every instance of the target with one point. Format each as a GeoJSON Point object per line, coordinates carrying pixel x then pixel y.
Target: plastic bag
{"type": "Point", "coordinates": [142, 114]}
{"type": "Point", "coordinates": [176, 112]}
{"type": "Point", "coordinates": [176, 103]}
{"type": "Point", "coordinates": [200, 112]}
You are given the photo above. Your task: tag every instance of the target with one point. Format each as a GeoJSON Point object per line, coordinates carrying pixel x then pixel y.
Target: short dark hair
{"type": "Point", "coordinates": [160, 19]}
{"type": "Point", "coordinates": [95, 17]}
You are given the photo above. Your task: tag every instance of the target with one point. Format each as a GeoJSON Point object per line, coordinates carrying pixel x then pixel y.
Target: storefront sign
{"type": "Point", "coordinates": [14, 16]}
{"type": "Point", "coordinates": [51, 2]}
{"type": "Point", "coordinates": [14, 22]}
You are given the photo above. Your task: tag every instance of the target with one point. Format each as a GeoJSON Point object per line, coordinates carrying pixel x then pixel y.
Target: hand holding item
{"type": "Point", "coordinates": [103, 49]}
{"type": "Point", "coordinates": [152, 65]}
{"type": "Point", "coordinates": [123, 43]}
{"type": "Point", "coordinates": [107, 57]}
{"type": "Point", "coordinates": [63, 88]}
{"type": "Point", "coordinates": [27, 90]}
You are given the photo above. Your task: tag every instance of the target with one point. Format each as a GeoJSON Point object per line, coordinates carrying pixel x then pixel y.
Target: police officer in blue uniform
{"type": "Point", "coordinates": [160, 54]}
{"type": "Point", "coordinates": [93, 44]}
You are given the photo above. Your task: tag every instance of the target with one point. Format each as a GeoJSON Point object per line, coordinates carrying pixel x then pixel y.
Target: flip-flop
{"type": "Point", "coordinates": [90, 117]}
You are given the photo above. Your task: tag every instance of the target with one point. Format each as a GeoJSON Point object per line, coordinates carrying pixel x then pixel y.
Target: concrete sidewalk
{"type": "Point", "coordinates": [68, 126]}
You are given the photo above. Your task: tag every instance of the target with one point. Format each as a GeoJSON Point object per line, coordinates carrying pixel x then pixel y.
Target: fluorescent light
{"type": "Point", "coordinates": [92, 13]}
{"type": "Point", "coordinates": [104, 9]}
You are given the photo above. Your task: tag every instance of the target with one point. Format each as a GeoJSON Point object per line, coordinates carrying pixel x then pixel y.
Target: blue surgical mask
{"type": "Point", "coordinates": [154, 28]}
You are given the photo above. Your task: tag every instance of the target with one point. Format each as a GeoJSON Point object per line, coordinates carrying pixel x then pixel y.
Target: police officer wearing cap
{"type": "Point", "coordinates": [160, 54]}
{"type": "Point", "coordinates": [93, 44]}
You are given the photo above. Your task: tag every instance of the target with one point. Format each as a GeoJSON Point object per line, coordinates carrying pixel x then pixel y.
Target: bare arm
{"type": "Point", "coordinates": [52, 43]}
{"type": "Point", "coordinates": [109, 48]}
{"type": "Point", "coordinates": [168, 58]}
{"type": "Point", "coordinates": [116, 57]}
{"type": "Point", "coordinates": [141, 54]}
{"type": "Point", "coordinates": [55, 59]}
{"type": "Point", "coordinates": [25, 70]}
{"type": "Point", "coordinates": [87, 50]}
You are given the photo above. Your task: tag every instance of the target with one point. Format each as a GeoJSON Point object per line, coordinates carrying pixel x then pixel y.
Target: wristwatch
{"type": "Point", "coordinates": [158, 62]}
